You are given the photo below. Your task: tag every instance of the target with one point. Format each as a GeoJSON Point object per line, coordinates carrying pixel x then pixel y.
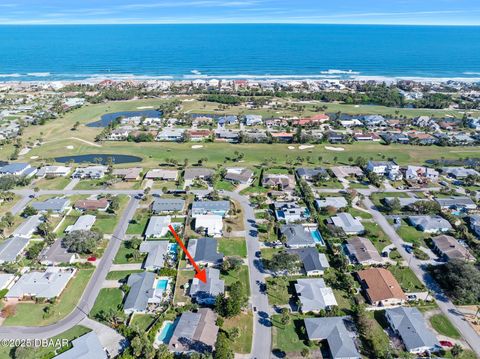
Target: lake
{"type": "Point", "coordinates": [99, 159]}
{"type": "Point", "coordinates": [106, 119]}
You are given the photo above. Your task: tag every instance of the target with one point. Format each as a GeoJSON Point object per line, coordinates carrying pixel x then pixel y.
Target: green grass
{"type": "Point", "coordinates": [140, 222]}
{"type": "Point", "coordinates": [344, 301]}
{"type": "Point", "coordinates": [411, 235]}
{"type": "Point", "coordinates": [379, 196]}
{"type": "Point", "coordinates": [376, 235]}
{"type": "Point", "coordinates": [443, 326]}
{"type": "Point", "coordinates": [280, 290]}
{"type": "Point", "coordinates": [240, 275]}
{"type": "Point", "coordinates": [183, 277]}
{"type": "Point", "coordinates": [244, 322]}
{"type": "Point", "coordinates": [407, 279]}
{"type": "Point", "coordinates": [233, 247]}
{"type": "Point", "coordinates": [358, 213]}
{"type": "Point", "coordinates": [124, 253]}
{"type": "Point", "coordinates": [224, 185]}
{"type": "Point", "coordinates": [142, 321]}
{"type": "Point", "coordinates": [47, 352]}
{"type": "Point", "coordinates": [52, 183]}
{"type": "Point", "coordinates": [31, 314]}
{"type": "Point", "coordinates": [108, 298]}
{"type": "Point", "coordinates": [289, 337]}
{"type": "Point", "coordinates": [121, 274]}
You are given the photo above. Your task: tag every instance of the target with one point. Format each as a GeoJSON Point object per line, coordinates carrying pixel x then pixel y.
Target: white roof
{"type": "Point", "coordinates": [83, 223]}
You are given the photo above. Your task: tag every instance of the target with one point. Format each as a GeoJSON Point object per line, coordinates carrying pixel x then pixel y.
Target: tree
{"type": "Point", "coordinates": [142, 347]}
{"type": "Point", "coordinates": [231, 263]}
{"type": "Point", "coordinates": [29, 211]}
{"type": "Point", "coordinates": [8, 219]}
{"type": "Point", "coordinates": [83, 242]}
{"type": "Point", "coordinates": [223, 347]}
{"type": "Point", "coordinates": [459, 279]}
{"type": "Point", "coordinates": [283, 261]}
{"type": "Point", "coordinates": [232, 305]}
{"type": "Point", "coordinates": [456, 351]}
{"type": "Point", "coordinates": [285, 318]}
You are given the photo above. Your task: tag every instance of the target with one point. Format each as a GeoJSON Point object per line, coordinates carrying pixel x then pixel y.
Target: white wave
{"type": "Point", "coordinates": [340, 72]}
{"type": "Point", "coordinates": [252, 77]}
{"type": "Point", "coordinates": [196, 72]}
{"type": "Point", "coordinates": [39, 74]}
{"type": "Point", "coordinates": [10, 75]}
{"type": "Point", "coordinates": [390, 79]}
{"type": "Point", "coordinates": [472, 73]}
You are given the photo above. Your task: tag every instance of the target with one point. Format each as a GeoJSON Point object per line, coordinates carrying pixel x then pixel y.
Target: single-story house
{"type": "Point", "coordinates": [416, 173]}
{"type": "Point", "coordinates": [57, 205]}
{"type": "Point", "coordinates": [314, 295]}
{"type": "Point", "coordinates": [297, 236]}
{"type": "Point", "coordinates": [83, 223]}
{"type": "Point", "coordinates": [92, 204]}
{"type": "Point", "coordinates": [87, 346]}
{"type": "Point", "coordinates": [53, 171]}
{"type": "Point", "coordinates": [380, 287]}
{"type": "Point", "coordinates": [310, 174]}
{"type": "Point", "coordinates": [195, 332]}
{"type": "Point", "coordinates": [90, 172]}
{"type": "Point", "coordinates": [282, 182]}
{"type": "Point", "coordinates": [430, 224]}
{"type": "Point", "coordinates": [168, 205]}
{"type": "Point", "coordinates": [360, 250]}
{"type": "Point", "coordinates": [204, 251]}
{"type": "Point", "coordinates": [162, 174]}
{"type": "Point", "coordinates": [449, 248]}
{"type": "Point", "coordinates": [171, 135]}
{"type": "Point", "coordinates": [212, 224]}
{"type": "Point", "coordinates": [141, 293]}
{"type": "Point", "coordinates": [409, 324]}
{"type": "Point", "coordinates": [157, 252]}
{"type": "Point", "coordinates": [56, 254]}
{"type": "Point", "coordinates": [28, 227]}
{"type": "Point", "coordinates": [289, 212]}
{"type": "Point", "coordinates": [349, 224]}
{"type": "Point", "coordinates": [198, 173]}
{"type": "Point", "coordinates": [314, 263]}
{"type": "Point", "coordinates": [128, 174]}
{"type": "Point", "coordinates": [47, 284]}
{"type": "Point", "coordinates": [219, 208]}
{"type": "Point", "coordinates": [206, 293]}
{"type": "Point", "coordinates": [342, 172]}
{"type": "Point", "coordinates": [11, 248]}
{"type": "Point", "coordinates": [459, 172]}
{"type": "Point", "coordinates": [338, 332]}
{"type": "Point", "coordinates": [335, 202]}
{"type": "Point", "coordinates": [17, 169]}
{"type": "Point", "coordinates": [239, 175]}
{"type": "Point", "coordinates": [457, 203]}
{"type": "Point", "coordinates": [158, 226]}
{"type": "Point", "coordinates": [6, 280]}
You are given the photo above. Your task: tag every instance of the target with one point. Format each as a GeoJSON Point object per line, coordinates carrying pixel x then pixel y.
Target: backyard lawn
{"type": "Point", "coordinates": [183, 278]}
{"type": "Point", "coordinates": [125, 254]}
{"type": "Point", "coordinates": [240, 275]}
{"type": "Point", "coordinates": [233, 247]}
{"type": "Point", "coordinates": [139, 222]}
{"type": "Point", "coordinates": [30, 314]}
{"type": "Point", "coordinates": [142, 321]}
{"type": "Point", "coordinates": [289, 337]}
{"type": "Point", "coordinates": [121, 274]}
{"type": "Point", "coordinates": [280, 290]}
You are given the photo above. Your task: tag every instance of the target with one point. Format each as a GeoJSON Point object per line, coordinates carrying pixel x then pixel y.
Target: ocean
{"type": "Point", "coordinates": [80, 52]}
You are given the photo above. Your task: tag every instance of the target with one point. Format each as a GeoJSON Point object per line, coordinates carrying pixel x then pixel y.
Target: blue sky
{"type": "Point", "coordinates": [429, 12]}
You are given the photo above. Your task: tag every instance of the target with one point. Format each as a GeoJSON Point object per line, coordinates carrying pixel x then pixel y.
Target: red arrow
{"type": "Point", "coordinates": [201, 274]}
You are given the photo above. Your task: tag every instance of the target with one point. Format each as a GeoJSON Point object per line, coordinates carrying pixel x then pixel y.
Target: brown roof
{"type": "Point", "coordinates": [450, 247]}
{"type": "Point", "coordinates": [380, 284]}
{"type": "Point", "coordinates": [91, 203]}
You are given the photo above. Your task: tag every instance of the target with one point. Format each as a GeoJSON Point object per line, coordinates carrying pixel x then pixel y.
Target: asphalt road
{"type": "Point", "coordinates": [262, 331]}
{"type": "Point", "coordinates": [89, 295]}
{"type": "Point", "coordinates": [445, 305]}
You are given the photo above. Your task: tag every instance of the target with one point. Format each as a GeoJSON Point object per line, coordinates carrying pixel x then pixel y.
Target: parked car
{"type": "Point", "coordinates": [446, 343]}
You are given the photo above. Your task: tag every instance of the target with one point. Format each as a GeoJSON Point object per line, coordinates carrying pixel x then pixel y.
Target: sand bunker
{"type": "Point", "coordinates": [70, 147]}
{"type": "Point", "coordinates": [144, 107]}
{"type": "Point", "coordinates": [197, 147]}
{"type": "Point", "coordinates": [24, 151]}
{"type": "Point", "coordinates": [33, 157]}
{"type": "Point", "coordinates": [305, 147]}
{"type": "Point", "coordinates": [291, 147]}
{"type": "Point", "coordinates": [339, 149]}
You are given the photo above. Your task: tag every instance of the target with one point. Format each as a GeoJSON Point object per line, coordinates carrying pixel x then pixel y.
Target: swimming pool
{"type": "Point", "coordinates": [162, 284]}
{"type": "Point", "coordinates": [317, 237]}
{"type": "Point", "coordinates": [166, 332]}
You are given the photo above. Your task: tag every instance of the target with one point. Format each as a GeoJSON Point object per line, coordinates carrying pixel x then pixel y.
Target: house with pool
{"type": "Point", "coordinates": [301, 236]}
{"type": "Point", "coordinates": [146, 293]}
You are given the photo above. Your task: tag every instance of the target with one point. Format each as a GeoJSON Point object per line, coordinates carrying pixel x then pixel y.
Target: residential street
{"type": "Point", "coordinates": [91, 291]}
{"type": "Point", "coordinates": [445, 305]}
{"type": "Point", "coordinates": [262, 331]}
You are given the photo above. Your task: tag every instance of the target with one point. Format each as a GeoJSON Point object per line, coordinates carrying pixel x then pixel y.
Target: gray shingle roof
{"type": "Point", "coordinates": [52, 204]}
{"type": "Point", "coordinates": [168, 205]}
{"type": "Point", "coordinates": [209, 290]}
{"type": "Point", "coordinates": [337, 202]}
{"type": "Point", "coordinates": [12, 247]}
{"type": "Point", "coordinates": [312, 260]}
{"type": "Point", "coordinates": [411, 326]}
{"type": "Point", "coordinates": [210, 206]}
{"type": "Point", "coordinates": [192, 173]}
{"type": "Point", "coordinates": [314, 294]}
{"type": "Point", "coordinates": [335, 332]}
{"type": "Point", "coordinates": [348, 223]}
{"type": "Point", "coordinates": [429, 223]}
{"type": "Point", "coordinates": [297, 236]}
{"type": "Point", "coordinates": [141, 290]}
{"type": "Point", "coordinates": [156, 253]}
{"type": "Point", "coordinates": [205, 250]}
{"type": "Point", "coordinates": [28, 227]}
{"type": "Point", "coordinates": [87, 346]}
